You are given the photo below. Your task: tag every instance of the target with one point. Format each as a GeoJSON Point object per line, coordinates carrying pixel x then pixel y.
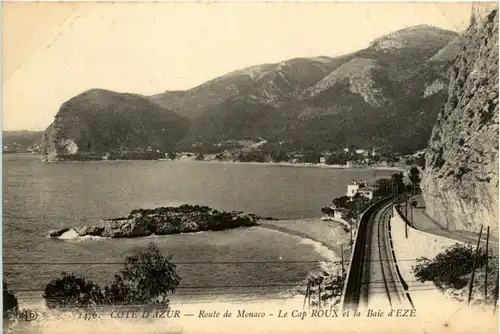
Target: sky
{"type": "Point", "coordinates": [54, 51]}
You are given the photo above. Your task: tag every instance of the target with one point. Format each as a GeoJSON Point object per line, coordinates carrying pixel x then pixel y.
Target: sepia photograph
{"type": "Point", "coordinates": [250, 167]}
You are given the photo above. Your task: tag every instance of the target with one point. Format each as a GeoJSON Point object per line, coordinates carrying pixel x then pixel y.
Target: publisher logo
{"type": "Point", "coordinates": [28, 315]}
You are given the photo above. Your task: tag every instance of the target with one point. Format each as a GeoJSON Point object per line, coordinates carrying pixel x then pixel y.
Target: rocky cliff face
{"type": "Point", "coordinates": [460, 181]}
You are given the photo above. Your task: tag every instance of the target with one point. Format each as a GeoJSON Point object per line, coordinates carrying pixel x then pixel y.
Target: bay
{"type": "Point", "coordinates": [40, 196]}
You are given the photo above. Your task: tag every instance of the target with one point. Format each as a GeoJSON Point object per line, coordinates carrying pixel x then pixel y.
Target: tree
{"type": "Point", "coordinates": [336, 159]}
{"type": "Point", "coordinates": [383, 187]}
{"type": "Point", "coordinates": [311, 157]}
{"type": "Point", "coordinates": [341, 202]}
{"type": "Point", "coordinates": [148, 276]}
{"type": "Point", "coordinates": [9, 301]}
{"type": "Point", "coordinates": [71, 291]}
{"type": "Point", "coordinates": [397, 180]}
{"type": "Point", "coordinates": [279, 156]}
{"type": "Point", "coordinates": [359, 203]}
{"type": "Point", "coordinates": [414, 177]}
{"type": "Point", "coordinates": [327, 211]}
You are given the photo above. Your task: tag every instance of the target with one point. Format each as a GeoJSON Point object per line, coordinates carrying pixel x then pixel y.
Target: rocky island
{"type": "Point", "coordinates": [165, 220]}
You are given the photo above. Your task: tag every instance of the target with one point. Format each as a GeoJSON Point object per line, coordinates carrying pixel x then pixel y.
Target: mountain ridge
{"type": "Point", "coordinates": [320, 102]}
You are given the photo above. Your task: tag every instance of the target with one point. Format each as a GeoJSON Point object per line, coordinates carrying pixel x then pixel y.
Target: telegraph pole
{"type": "Point", "coordinates": [406, 205]}
{"type": "Point", "coordinates": [486, 268]}
{"type": "Point", "coordinates": [319, 293]}
{"type": "Point", "coordinates": [342, 258]}
{"type": "Point", "coordinates": [406, 230]}
{"type": "Point", "coordinates": [305, 296]}
{"type": "Point", "coordinates": [350, 231]}
{"type": "Point", "coordinates": [471, 284]}
{"type": "Point", "coordinates": [411, 211]}
{"type": "Point", "coordinates": [496, 296]}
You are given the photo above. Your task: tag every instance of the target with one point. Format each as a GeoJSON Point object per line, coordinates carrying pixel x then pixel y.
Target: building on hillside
{"type": "Point", "coordinates": [352, 189]}
{"type": "Point", "coordinates": [367, 191]}
{"type": "Point", "coordinates": [362, 152]}
{"type": "Point", "coordinates": [362, 188]}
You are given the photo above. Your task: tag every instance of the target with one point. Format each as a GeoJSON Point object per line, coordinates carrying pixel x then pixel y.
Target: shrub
{"type": "Point", "coordinates": [10, 304]}
{"type": "Point", "coordinates": [327, 211]}
{"type": "Point", "coordinates": [72, 291]}
{"type": "Point", "coordinates": [146, 278]}
{"type": "Point", "coordinates": [449, 266]}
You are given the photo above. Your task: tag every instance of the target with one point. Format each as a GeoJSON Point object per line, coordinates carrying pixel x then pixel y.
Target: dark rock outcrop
{"type": "Point", "coordinates": [166, 220]}
{"type": "Point", "coordinates": [460, 181]}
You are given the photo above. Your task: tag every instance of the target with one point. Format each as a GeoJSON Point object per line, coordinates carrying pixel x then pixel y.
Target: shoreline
{"type": "Point", "coordinates": [288, 164]}
{"type": "Point", "coordinates": [270, 226]}
{"type": "Point", "coordinates": [282, 164]}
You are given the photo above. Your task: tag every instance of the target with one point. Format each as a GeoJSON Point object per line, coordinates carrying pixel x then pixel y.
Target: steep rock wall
{"type": "Point", "coordinates": [460, 181]}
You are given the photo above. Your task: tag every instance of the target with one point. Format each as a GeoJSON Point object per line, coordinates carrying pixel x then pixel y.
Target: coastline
{"type": "Point", "coordinates": [281, 164]}
{"type": "Point", "coordinates": [277, 226]}
{"type": "Point", "coordinates": [288, 164]}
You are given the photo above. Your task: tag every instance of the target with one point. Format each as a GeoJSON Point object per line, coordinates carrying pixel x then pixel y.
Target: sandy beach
{"type": "Point", "coordinates": [328, 233]}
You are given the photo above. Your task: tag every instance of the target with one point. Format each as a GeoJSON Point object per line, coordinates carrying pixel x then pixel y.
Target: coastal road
{"type": "Point", "coordinates": [381, 287]}
{"type": "Point", "coordinates": [421, 221]}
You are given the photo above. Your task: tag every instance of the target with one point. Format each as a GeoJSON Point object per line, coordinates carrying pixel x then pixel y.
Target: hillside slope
{"type": "Point", "coordinates": [460, 182]}
{"type": "Point", "coordinates": [22, 141]}
{"type": "Point", "coordinates": [387, 95]}
{"type": "Point", "coordinates": [100, 121]}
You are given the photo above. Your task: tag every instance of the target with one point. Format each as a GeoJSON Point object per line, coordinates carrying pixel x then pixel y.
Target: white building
{"type": "Point", "coordinates": [362, 152]}
{"type": "Point", "coordinates": [352, 189]}
{"type": "Point", "coordinates": [360, 188]}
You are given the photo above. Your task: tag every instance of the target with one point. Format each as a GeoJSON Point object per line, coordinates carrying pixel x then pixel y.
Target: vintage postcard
{"type": "Point", "coordinates": [250, 167]}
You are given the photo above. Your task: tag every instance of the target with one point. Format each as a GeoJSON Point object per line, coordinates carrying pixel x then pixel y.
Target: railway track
{"type": "Point", "coordinates": [374, 281]}
{"type": "Point", "coordinates": [381, 286]}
